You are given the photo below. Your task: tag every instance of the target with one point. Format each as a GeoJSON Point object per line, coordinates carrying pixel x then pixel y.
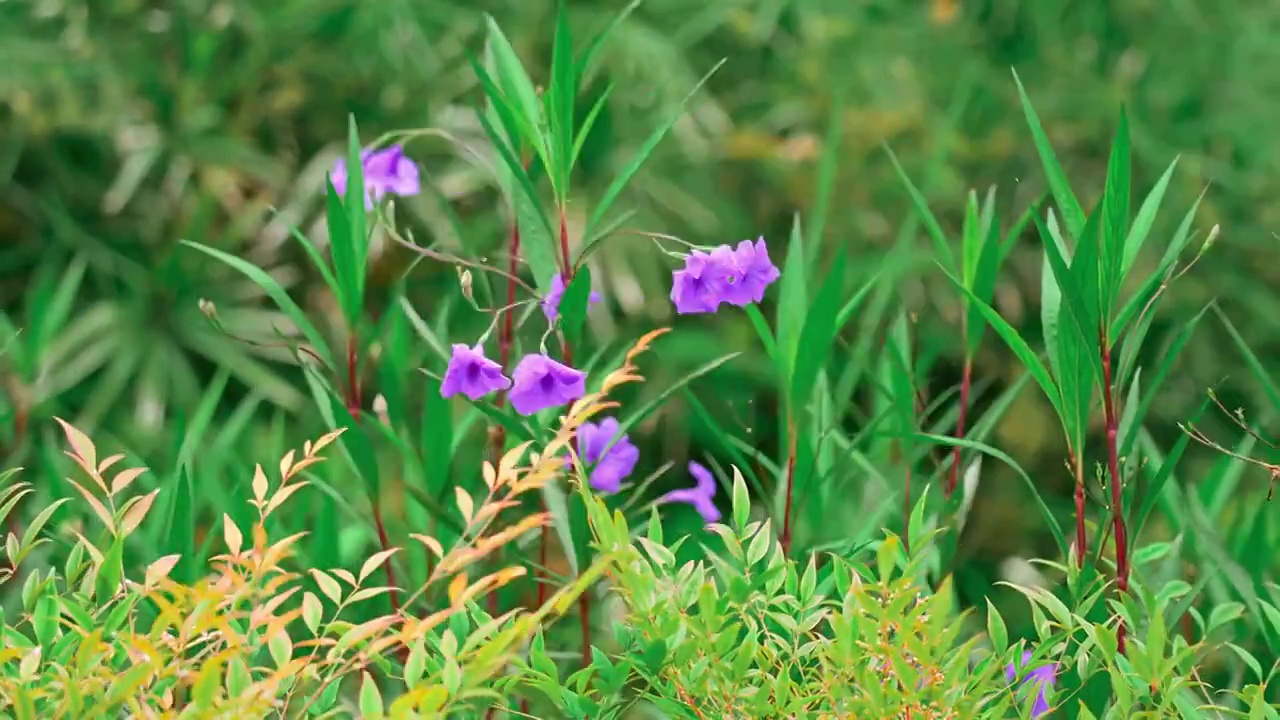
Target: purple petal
{"type": "Point", "coordinates": [706, 481]}
{"type": "Point", "coordinates": [472, 374]}
{"type": "Point", "coordinates": [540, 382]}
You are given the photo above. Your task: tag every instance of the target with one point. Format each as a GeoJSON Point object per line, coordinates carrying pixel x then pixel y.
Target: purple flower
{"type": "Point", "coordinates": [472, 374]}
{"type": "Point", "coordinates": [386, 172]}
{"type": "Point", "coordinates": [704, 282]}
{"type": "Point", "coordinates": [540, 383]}
{"type": "Point", "coordinates": [1043, 677]}
{"type": "Point", "coordinates": [612, 463]}
{"type": "Point", "coordinates": [755, 272]}
{"type": "Point", "coordinates": [551, 303]}
{"type": "Point", "coordinates": [700, 495]}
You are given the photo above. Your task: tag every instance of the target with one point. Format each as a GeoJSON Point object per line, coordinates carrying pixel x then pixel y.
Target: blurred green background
{"type": "Point", "coordinates": [127, 125]}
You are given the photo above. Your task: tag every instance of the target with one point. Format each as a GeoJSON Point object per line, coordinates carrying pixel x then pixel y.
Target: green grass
{"type": "Point", "coordinates": [178, 284]}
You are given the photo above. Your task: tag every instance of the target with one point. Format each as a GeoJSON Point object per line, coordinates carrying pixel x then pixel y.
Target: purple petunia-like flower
{"type": "Point", "coordinates": [386, 172]}
{"type": "Point", "coordinates": [1043, 676]}
{"type": "Point", "coordinates": [700, 496]}
{"type": "Point", "coordinates": [472, 374]}
{"type": "Point", "coordinates": [612, 463]}
{"type": "Point", "coordinates": [738, 276]}
{"type": "Point", "coordinates": [540, 382]}
{"type": "Point", "coordinates": [755, 273]}
{"type": "Point", "coordinates": [551, 303]}
{"type": "Point", "coordinates": [705, 280]}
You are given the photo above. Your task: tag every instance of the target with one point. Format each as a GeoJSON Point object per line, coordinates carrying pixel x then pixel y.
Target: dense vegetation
{"type": "Point", "coordinates": [633, 362]}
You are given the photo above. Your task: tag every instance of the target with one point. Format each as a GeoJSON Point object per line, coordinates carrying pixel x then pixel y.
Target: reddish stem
{"type": "Point", "coordinates": [791, 482]}
{"type": "Point", "coordinates": [584, 625]}
{"type": "Point", "coordinates": [506, 335]}
{"type": "Point", "coordinates": [353, 377]}
{"type": "Point", "coordinates": [1119, 530]}
{"type": "Point", "coordinates": [1082, 540]}
{"type": "Point", "coordinates": [566, 267]}
{"type": "Point", "coordinates": [386, 564]}
{"type": "Point", "coordinates": [352, 400]}
{"type": "Point", "coordinates": [966, 381]}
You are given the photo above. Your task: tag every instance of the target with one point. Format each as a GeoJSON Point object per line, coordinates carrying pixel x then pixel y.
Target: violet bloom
{"type": "Point", "coordinates": [540, 383]}
{"type": "Point", "coordinates": [755, 272]}
{"type": "Point", "coordinates": [1043, 677]}
{"type": "Point", "coordinates": [612, 463]}
{"type": "Point", "coordinates": [700, 495]}
{"type": "Point", "coordinates": [551, 303]}
{"type": "Point", "coordinates": [386, 172]}
{"type": "Point", "coordinates": [704, 281]}
{"type": "Point", "coordinates": [472, 374]}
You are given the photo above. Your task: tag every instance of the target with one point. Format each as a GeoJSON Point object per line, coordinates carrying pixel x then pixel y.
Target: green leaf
{"type": "Point", "coordinates": [624, 176]}
{"type": "Point", "coordinates": [589, 122]}
{"type": "Point", "coordinates": [940, 244]}
{"type": "Point", "coordinates": [657, 401]}
{"type": "Point", "coordinates": [573, 305]}
{"type": "Point", "coordinates": [1068, 205]}
{"type": "Point", "coordinates": [516, 86]}
{"type": "Point", "coordinates": [1139, 301]}
{"type": "Point", "coordinates": [793, 302]}
{"type": "Point", "coordinates": [1025, 354]}
{"type": "Point", "coordinates": [983, 281]}
{"type": "Point", "coordinates": [818, 332]}
{"type": "Point", "coordinates": [437, 438]}
{"type": "Point", "coordinates": [1115, 220]}
{"type": "Point", "coordinates": [276, 293]}
{"type": "Point", "coordinates": [1145, 219]}
{"type": "Point", "coordinates": [560, 97]}
{"type": "Point", "coordinates": [588, 57]}
{"type": "Point", "coordinates": [1055, 528]}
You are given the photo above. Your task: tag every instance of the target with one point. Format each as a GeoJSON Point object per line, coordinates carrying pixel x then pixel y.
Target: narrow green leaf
{"type": "Point", "coordinates": [1145, 218]}
{"type": "Point", "coordinates": [573, 305]}
{"type": "Point", "coordinates": [588, 57]}
{"type": "Point", "coordinates": [344, 261]}
{"type": "Point", "coordinates": [1068, 205]}
{"type": "Point", "coordinates": [436, 440]}
{"type": "Point", "coordinates": [818, 332]}
{"type": "Point", "coordinates": [827, 166]}
{"type": "Point", "coordinates": [1025, 354]}
{"type": "Point", "coordinates": [515, 85]}
{"type": "Point", "coordinates": [357, 221]}
{"type": "Point", "coordinates": [1055, 528]}
{"type": "Point", "coordinates": [656, 402]}
{"type": "Point", "coordinates": [793, 301]}
{"type": "Point", "coordinates": [1139, 301]}
{"type": "Point", "coordinates": [589, 122]}
{"type": "Point", "coordinates": [560, 96]}
{"type": "Point", "coordinates": [623, 177]}
{"type": "Point", "coordinates": [940, 244]}
{"type": "Point", "coordinates": [275, 292]}
{"type": "Point", "coordinates": [1115, 220]}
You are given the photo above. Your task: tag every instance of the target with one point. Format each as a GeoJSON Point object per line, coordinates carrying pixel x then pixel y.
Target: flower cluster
{"type": "Point", "coordinates": [538, 382]}
{"type": "Point", "coordinates": [386, 172]}
{"type": "Point", "coordinates": [738, 276]}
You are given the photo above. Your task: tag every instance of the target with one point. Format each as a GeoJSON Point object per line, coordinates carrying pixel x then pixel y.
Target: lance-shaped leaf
{"type": "Point", "coordinates": [573, 305]}
{"type": "Point", "coordinates": [1072, 213]}
{"type": "Point", "coordinates": [931, 225]}
{"type": "Point", "coordinates": [1017, 344]}
{"type": "Point", "coordinates": [559, 98]}
{"type": "Point", "coordinates": [819, 331]}
{"type": "Point", "coordinates": [628, 171]}
{"type": "Point", "coordinates": [1139, 301]}
{"type": "Point", "coordinates": [1115, 222]}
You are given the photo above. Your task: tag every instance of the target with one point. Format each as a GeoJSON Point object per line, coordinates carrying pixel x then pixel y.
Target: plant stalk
{"type": "Point", "coordinates": [1082, 540]}
{"type": "Point", "coordinates": [352, 401]}
{"type": "Point", "coordinates": [791, 481]}
{"type": "Point", "coordinates": [506, 335]}
{"type": "Point", "coordinates": [966, 385]}
{"type": "Point", "coordinates": [1119, 530]}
